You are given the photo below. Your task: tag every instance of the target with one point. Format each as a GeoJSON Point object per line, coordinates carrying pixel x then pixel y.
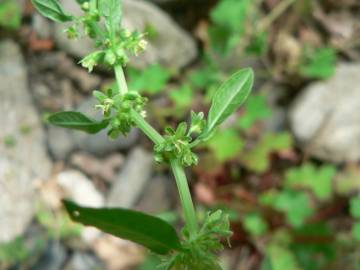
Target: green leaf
{"type": "Point", "coordinates": [226, 144]}
{"type": "Point", "coordinates": [256, 108]}
{"type": "Point", "coordinates": [10, 15]}
{"type": "Point", "coordinates": [257, 158]}
{"type": "Point", "coordinates": [111, 10]}
{"type": "Point", "coordinates": [319, 180]}
{"type": "Point", "coordinates": [296, 206]}
{"type": "Point", "coordinates": [279, 258]}
{"type": "Point", "coordinates": [356, 230]}
{"type": "Point", "coordinates": [152, 80]}
{"type": "Point", "coordinates": [228, 98]}
{"type": "Point", "coordinates": [151, 232]}
{"type": "Point", "coordinates": [182, 97]}
{"type": "Point", "coordinates": [76, 120]}
{"type": "Point", "coordinates": [355, 207]}
{"type": "Point", "coordinates": [320, 63]}
{"type": "Point", "coordinates": [255, 224]}
{"type": "Point", "coordinates": [52, 10]}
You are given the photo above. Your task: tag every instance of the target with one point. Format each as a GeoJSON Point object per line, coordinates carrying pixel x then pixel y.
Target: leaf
{"type": "Point", "coordinates": [256, 108]}
{"type": "Point", "coordinates": [321, 63]}
{"type": "Point", "coordinates": [319, 180]}
{"type": "Point", "coordinates": [355, 207]}
{"type": "Point", "coordinates": [226, 144]}
{"type": "Point", "coordinates": [77, 120]}
{"type": "Point", "coordinates": [111, 10]}
{"type": "Point", "coordinates": [296, 206]}
{"type": "Point", "coordinates": [182, 97]}
{"type": "Point", "coordinates": [257, 159]}
{"type": "Point", "coordinates": [356, 230]}
{"type": "Point", "coordinates": [151, 232]}
{"type": "Point", "coordinates": [10, 15]}
{"type": "Point", "coordinates": [52, 10]}
{"type": "Point", "coordinates": [255, 224]}
{"type": "Point", "coordinates": [279, 258]}
{"type": "Point", "coordinates": [152, 80]}
{"type": "Point", "coordinates": [228, 98]}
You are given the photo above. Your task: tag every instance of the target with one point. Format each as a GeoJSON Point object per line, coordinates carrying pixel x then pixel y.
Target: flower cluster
{"type": "Point", "coordinates": [117, 108]}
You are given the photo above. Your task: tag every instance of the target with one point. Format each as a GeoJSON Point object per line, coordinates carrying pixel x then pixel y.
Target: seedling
{"type": "Point", "coordinates": [124, 109]}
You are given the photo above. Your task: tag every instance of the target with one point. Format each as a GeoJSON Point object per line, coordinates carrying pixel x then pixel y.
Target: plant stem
{"type": "Point", "coordinates": [146, 128]}
{"type": "Point", "coordinates": [178, 170]}
{"type": "Point", "coordinates": [185, 197]}
{"type": "Point", "coordinates": [120, 78]}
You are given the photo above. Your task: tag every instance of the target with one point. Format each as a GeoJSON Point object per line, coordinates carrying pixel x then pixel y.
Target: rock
{"type": "Point", "coordinates": [60, 142]}
{"type": "Point", "coordinates": [325, 117]}
{"type": "Point", "coordinates": [118, 254]}
{"type": "Point", "coordinates": [132, 179]}
{"type": "Point", "coordinates": [172, 46]}
{"type": "Point", "coordinates": [100, 143]}
{"type": "Point", "coordinates": [42, 26]}
{"type": "Point", "coordinates": [83, 261]}
{"type": "Point", "coordinates": [80, 189]}
{"type": "Point", "coordinates": [157, 197]}
{"type": "Point", "coordinates": [23, 158]}
{"type": "Point", "coordinates": [104, 168]}
{"type": "Point", "coordinates": [53, 258]}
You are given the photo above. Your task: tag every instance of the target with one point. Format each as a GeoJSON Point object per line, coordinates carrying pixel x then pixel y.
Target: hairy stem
{"type": "Point", "coordinates": [178, 170]}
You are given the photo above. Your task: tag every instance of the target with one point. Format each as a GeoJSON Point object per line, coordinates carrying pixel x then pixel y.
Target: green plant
{"type": "Point", "coordinates": [123, 110]}
{"type": "Point", "coordinates": [10, 15]}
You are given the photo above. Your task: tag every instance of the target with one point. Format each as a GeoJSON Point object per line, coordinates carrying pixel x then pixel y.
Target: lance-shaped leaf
{"type": "Point", "coordinates": [52, 10]}
{"type": "Point", "coordinates": [77, 120]}
{"type": "Point", "coordinates": [228, 98]}
{"type": "Point", "coordinates": [149, 231]}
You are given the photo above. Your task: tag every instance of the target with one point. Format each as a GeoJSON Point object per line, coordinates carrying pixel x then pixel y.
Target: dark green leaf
{"type": "Point", "coordinates": [10, 15]}
{"type": "Point", "coordinates": [52, 10]}
{"type": "Point", "coordinates": [151, 232]}
{"type": "Point", "coordinates": [76, 120]}
{"type": "Point", "coordinates": [229, 97]}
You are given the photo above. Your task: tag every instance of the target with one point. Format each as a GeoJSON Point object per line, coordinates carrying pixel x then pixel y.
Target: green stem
{"type": "Point", "coordinates": [120, 78]}
{"type": "Point", "coordinates": [146, 128]}
{"type": "Point", "coordinates": [185, 197]}
{"type": "Point", "coordinates": [178, 170]}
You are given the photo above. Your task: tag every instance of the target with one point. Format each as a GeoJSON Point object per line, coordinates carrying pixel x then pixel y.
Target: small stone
{"type": "Point", "coordinates": [80, 189]}
{"type": "Point", "coordinates": [132, 179]}
{"type": "Point", "coordinates": [104, 168]}
{"type": "Point", "coordinates": [83, 261]}
{"type": "Point", "coordinates": [325, 117]}
{"type": "Point", "coordinates": [53, 258]}
{"type": "Point", "coordinates": [157, 196]}
{"type": "Point", "coordinates": [42, 26]}
{"type": "Point", "coordinates": [60, 142]}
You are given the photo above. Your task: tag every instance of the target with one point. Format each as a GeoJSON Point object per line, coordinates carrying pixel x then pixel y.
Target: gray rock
{"type": "Point", "coordinates": [132, 179]}
{"type": "Point", "coordinates": [60, 142]}
{"type": "Point", "coordinates": [23, 156]}
{"type": "Point", "coordinates": [172, 47]}
{"type": "Point", "coordinates": [53, 259]}
{"type": "Point", "coordinates": [157, 197]}
{"type": "Point", "coordinates": [83, 261]}
{"type": "Point", "coordinates": [42, 26]}
{"type": "Point", "coordinates": [325, 117]}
